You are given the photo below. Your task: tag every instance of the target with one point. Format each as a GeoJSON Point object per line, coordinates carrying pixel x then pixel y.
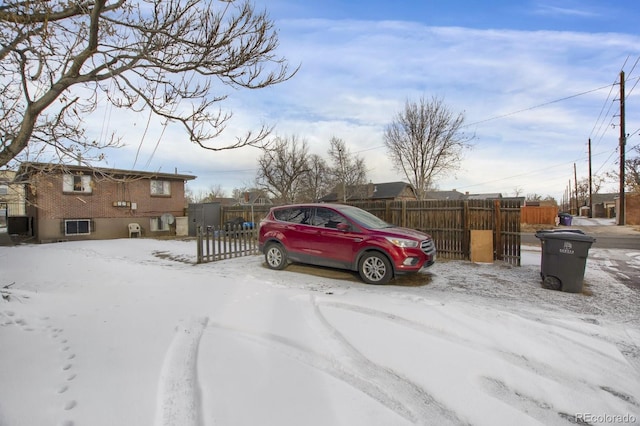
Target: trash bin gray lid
{"type": "Point", "coordinates": [565, 234]}
{"type": "Point", "coordinates": [543, 233]}
{"type": "Point", "coordinates": [548, 231]}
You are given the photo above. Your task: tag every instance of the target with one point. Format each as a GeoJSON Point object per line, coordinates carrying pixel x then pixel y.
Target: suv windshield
{"type": "Point", "coordinates": [364, 218]}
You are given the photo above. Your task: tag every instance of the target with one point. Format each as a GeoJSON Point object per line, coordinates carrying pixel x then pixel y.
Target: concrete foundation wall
{"type": "Point", "coordinates": [52, 230]}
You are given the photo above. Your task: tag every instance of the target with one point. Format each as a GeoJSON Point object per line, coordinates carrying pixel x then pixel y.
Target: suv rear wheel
{"type": "Point", "coordinates": [375, 268]}
{"type": "Point", "coordinates": [275, 256]}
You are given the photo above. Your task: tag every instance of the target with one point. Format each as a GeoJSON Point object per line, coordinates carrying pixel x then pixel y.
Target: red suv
{"type": "Point", "coordinates": [344, 237]}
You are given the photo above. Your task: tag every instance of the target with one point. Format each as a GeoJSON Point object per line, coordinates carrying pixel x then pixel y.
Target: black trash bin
{"type": "Point", "coordinates": [564, 258]}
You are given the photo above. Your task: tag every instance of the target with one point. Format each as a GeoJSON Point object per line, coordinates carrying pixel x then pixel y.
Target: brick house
{"type": "Point", "coordinates": [68, 202]}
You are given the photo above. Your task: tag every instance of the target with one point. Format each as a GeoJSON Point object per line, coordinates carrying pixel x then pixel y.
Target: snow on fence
{"type": "Point", "coordinates": [227, 242]}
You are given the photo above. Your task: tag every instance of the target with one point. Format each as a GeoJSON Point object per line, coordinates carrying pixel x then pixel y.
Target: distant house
{"type": "Point", "coordinates": [455, 195]}
{"type": "Point", "coordinates": [13, 219]}
{"type": "Point", "coordinates": [444, 195]}
{"type": "Point", "coordinates": [225, 201]}
{"type": "Point", "coordinates": [393, 191]}
{"type": "Point", "coordinates": [255, 198]}
{"type": "Point", "coordinates": [66, 202]}
{"type": "Point", "coordinates": [604, 205]}
{"type": "Point", "coordinates": [12, 196]}
{"type": "Point", "coordinates": [486, 196]}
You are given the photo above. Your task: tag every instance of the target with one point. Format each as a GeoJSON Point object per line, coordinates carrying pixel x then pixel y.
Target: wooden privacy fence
{"type": "Point", "coordinates": [449, 222]}
{"type": "Point", "coordinates": [539, 215]}
{"type": "Point", "coordinates": [226, 242]}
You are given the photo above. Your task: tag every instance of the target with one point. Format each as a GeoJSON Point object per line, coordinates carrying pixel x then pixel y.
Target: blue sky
{"type": "Point", "coordinates": [535, 80]}
{"type": "Point", "coordinates": [562, 15]}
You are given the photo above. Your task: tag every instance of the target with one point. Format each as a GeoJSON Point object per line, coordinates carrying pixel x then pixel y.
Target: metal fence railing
{"type": "Point", "coordinates": [226, 242]}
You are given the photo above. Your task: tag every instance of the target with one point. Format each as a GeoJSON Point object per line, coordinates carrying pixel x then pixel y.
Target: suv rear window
{"type": "Point", "coordinates": [293, 215]}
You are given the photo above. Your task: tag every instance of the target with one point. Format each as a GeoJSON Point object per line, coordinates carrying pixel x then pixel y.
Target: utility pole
{"type": "Point", "coordinates": [575, 182]}
{"type": "Point", "coordinates": [623, 143]}
{"type": "Point", "coordinates": [344, 178]}
{"type": "Point", "coordinates": [590, 184]}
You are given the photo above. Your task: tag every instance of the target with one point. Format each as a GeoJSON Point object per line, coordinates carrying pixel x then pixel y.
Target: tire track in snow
{"type": "Point", "coordinates": [178, 391]}
{"type": "Point", "coordinates": [328, 364]}
{"type": "Point", "coordinates": [383, 384]}
{"type": "Point", "coordinates": [497, 387]}
{"type": "Point", "coordinates": [345, 363]}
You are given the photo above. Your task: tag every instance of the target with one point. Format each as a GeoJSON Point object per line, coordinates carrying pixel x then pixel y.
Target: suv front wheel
{"type": "Point", "coordinates": [275, 256]}
{"type": "Point", "coordinates": [375, 268]}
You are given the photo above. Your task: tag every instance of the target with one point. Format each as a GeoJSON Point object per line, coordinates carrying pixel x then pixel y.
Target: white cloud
{"type": "Point", "coordinates": [356, 75]}
{"type": "Point", "coordinates": [571, 9]}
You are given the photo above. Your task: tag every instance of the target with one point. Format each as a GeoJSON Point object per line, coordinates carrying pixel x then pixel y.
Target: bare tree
{"type": "Point", "coordinates": [205, 196]}
{"type": "Point", "coordinates": [583, 188]}
{"type": "Point", "coordinates": [317, 182]}
{"type": "Point", "coordinates": [238, 193]}
{"type": "Point", "coordinates": [517, 191]}
{"type": "Point", "coordinates": [60, 59]}
{"type": "Point", "coordinates": [426, 141]}
{"type": "Point", "coordinates": [631, 173]}
{"type": "Point", "coordinates": [348, 171]}
{"type": "Point", "coordinates": [282, 168]}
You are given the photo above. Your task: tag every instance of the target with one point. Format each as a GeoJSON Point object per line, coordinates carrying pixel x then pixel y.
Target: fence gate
{"type": "Point", "coordinates": [215, 243]}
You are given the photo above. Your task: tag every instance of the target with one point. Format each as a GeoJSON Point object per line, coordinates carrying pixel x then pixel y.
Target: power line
{"type": "Point", "coordinates": [634, 86]}
{"type": "Point", "coordinates": [611, 124]}
{"type": "Point", "coordinates": [536, 106]}
{"type": "Point", "coordinates": [603, 106]}
{"type": "Point", "coordinates": [612, 85]}
{"type": "Point", "coordinates": [534, 172]}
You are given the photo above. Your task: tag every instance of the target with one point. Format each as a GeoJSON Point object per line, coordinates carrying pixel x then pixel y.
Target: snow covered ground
{"type": "Point", "coordinates": [131, 332]}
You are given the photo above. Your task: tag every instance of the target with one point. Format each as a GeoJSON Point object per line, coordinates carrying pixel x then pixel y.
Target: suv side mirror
{"type": "Point", "coordinates": [344, 227]}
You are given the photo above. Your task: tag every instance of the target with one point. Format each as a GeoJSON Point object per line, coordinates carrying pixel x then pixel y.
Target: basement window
{"type": "Point", "coordinates": [77, 227]}
{"type": "Point", "coordinates": [159, 224]}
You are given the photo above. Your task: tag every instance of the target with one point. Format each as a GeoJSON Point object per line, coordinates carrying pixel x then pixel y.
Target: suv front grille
{"type": "Point", "coordinates": [427, 246]}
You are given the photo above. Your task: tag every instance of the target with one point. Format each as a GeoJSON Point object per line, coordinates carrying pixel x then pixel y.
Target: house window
{"type": "Point", "coordinates": [4, 189]}
{"type": "Point", "coordinates": [77, 227]}
{"type": "Point", "coordinates": [160, 187]}
{"type": "Point", "coordinates": [76, 183]}
{"type": "Point", "coordinates": [159, 224]}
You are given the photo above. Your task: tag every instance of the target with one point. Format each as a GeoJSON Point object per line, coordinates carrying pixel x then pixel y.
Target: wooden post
{"type": "Point", "coordinates": [497, 228]}
{"type": "Point", "coordinates": [575, 182]}
{"type": "Point", "coordinates": [623, 143]}
{"type": "Point", "coordinates": [590, 184]}
{"type": "Point", "coordinates": [466, 230]}
{"type": "Point", "coordinates": [199, 248]}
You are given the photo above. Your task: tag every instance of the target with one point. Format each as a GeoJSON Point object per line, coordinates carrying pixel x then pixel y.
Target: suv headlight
{"type": "Point", "coordinates": [401, 242]}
